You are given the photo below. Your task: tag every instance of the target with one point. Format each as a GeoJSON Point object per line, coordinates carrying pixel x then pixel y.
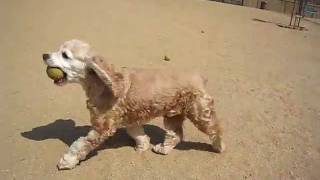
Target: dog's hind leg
{"type": "Point", "coordinates": [203, 116]}
{"type": "Point", "coordinates": [82, 147]}
{"type": "Point", "coordinates": [142, 140]}
{"type": "Point", "coordinates": [174, 134]}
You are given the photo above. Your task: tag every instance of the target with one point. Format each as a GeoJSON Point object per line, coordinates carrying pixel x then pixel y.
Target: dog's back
{"type": "Point", "coordinates": [148, 84]}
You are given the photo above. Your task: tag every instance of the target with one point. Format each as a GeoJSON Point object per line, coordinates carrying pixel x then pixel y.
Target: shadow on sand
{"type": "Point", "coordinates": [67, 132]}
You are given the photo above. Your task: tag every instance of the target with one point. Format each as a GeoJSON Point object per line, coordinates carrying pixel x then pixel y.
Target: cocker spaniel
{"type": "Point", "coordinates": [129, 97]}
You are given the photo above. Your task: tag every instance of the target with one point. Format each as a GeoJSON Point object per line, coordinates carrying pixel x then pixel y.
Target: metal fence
{"type": "Point", "coordinates": [309, 8]}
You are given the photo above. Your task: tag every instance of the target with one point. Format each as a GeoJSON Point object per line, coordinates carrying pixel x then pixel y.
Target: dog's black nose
{"type": "Point", "coordinates": [45, 56]}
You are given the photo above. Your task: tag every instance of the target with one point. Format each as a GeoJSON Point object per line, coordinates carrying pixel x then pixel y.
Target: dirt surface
{"type": "Point", "coordinates": [265, 80]}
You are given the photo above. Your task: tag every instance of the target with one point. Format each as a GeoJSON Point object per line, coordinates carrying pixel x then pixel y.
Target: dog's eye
{"type": "Point", "coordinates": [65, 55]}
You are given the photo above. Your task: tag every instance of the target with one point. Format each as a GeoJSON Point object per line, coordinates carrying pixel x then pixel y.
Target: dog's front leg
{"type": "Point", "coordinates": [81, 148]}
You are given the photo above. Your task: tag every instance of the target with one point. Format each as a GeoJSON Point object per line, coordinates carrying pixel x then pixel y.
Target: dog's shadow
{"type": "Point", "coordinates": [67, 132]}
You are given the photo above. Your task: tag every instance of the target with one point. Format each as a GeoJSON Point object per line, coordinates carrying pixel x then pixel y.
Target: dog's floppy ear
{"type": "Point", "coordinates": [106, 72]}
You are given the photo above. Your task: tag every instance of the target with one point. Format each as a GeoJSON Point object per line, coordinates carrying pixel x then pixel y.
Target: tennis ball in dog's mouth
{"type": "Point", "coordinates": [55, 73]}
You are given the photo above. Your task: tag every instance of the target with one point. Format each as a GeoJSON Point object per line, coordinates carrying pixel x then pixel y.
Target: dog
{"type": "Point", "coordinates": [130, 97]}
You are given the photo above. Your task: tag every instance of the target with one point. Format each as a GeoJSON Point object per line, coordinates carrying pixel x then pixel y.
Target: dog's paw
{"type": "Point", "coordinates": [68, 161]}
{"type": "Point", "coordinates": [218, 145]}
{"type": "Point", "coordinates": [161, 149]}
{"type": "Point", "coordinates": [143, 145]}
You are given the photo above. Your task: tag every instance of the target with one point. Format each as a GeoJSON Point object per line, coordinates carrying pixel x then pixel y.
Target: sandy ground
{"type": "Point", "coordinates": [265, 81]}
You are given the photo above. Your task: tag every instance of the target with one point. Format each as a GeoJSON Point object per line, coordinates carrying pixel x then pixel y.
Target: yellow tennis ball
{"type": "Point", "coordinates": [55, 73]}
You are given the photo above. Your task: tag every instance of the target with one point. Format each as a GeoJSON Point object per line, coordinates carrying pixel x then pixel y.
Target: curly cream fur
{"type": "Point", "coordinates": [130, 97]}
